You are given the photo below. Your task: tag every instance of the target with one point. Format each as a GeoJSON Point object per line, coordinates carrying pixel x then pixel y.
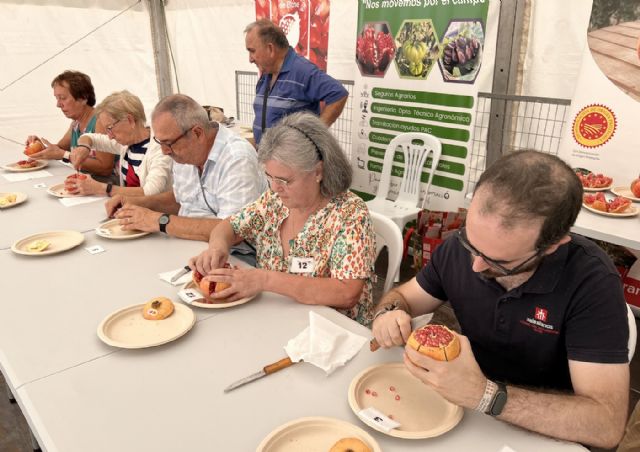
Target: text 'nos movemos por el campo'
{"type": "Point", "coordinates": [380, 4]}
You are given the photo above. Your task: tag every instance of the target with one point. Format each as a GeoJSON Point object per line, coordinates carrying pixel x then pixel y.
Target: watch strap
{"type": "Point", "coordinates": [66, 157]}
{"type": "Point", "coordinates": [490, 390]}
{"type": "Point", "coordinates": [109, 188]}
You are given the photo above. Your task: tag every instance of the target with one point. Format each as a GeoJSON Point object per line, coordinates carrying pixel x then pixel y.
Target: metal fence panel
{"type": "Point", "coordinates": [529, 123]}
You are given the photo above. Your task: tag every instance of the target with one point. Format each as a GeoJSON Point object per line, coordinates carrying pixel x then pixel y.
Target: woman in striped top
{"type": "Point", "coordinates": [144, 169]}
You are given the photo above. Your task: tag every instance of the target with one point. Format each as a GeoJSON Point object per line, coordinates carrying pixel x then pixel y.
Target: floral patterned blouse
{"type": "Point", "coordinates": [339, 237]}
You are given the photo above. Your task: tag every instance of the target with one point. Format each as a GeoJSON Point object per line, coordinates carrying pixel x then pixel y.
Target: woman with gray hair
{"type": "Point", "coordinates": [314, 239]}
{"type": "Point", "coordinates": [143, 168]}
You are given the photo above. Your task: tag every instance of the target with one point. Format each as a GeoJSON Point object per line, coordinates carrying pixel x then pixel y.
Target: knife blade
{"type": "Point", "coordinates": [183, 271]}
{"type": "Point", "coordinates": [416, 323]}
{"type": "Point", "coordinates": [266, 370]}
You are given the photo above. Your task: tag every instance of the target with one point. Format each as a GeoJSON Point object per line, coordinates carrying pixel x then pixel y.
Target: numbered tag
{"type": "Point", "coordinates": [189, 295]}
{"type": "Point", "coordinates": [40, 185]}
{"type": "Point", "coordinates": [302, 265]}
{"type": "Point", "coordinates": [95, 249]}
{"type": "Point", "coordinates": [376, 417]}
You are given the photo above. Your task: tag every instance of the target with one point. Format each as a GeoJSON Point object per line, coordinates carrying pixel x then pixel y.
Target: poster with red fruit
{"type": "Point", "coordinates": [601, 129]}
{"type": "Point", "coordinates": [417, 66]}
{"type": "Point", "coordinates": [305, 22]}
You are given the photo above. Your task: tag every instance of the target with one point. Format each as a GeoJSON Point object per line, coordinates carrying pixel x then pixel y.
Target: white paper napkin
{"type": "Point", "coordinates": [166, 276]}
{"type": "Point", "coordinates": [324, 344]}
{"type": "Point", "coordinates": [70, 202]}
{"type": "Point", "coordinates": [17, 177]}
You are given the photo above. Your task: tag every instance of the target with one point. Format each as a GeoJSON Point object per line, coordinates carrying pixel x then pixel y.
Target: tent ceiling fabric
{"type": "Point", "coordinates": [110, 40]}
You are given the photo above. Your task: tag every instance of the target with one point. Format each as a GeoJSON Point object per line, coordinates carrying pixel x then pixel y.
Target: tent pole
{"type": "Point", "coordinates": [505, 75]}
{"type": "Point", "coordinates": [160, 50]}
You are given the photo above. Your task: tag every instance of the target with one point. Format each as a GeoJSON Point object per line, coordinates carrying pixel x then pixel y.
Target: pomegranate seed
{"type": "Point", "coordinates": [390, 416]}
{"type": "Point", "coordinates": [373, 393]}
{"type": "Point", "coordinates": [392, 388]}
{"type": "Point", "coordinates": [367, 391]}
{"type": "Point", "coordinates": [397, 397]}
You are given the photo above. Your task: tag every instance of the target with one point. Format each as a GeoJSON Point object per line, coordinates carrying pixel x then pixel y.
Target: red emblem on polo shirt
{"type": "Point", "coordinates": [541, 314]}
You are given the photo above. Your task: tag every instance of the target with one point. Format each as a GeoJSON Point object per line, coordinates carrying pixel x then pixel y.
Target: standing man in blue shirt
{"type": "Point", "coordinates": [288, 82]}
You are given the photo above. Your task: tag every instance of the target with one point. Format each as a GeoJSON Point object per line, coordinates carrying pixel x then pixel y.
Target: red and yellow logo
{"type": "Point", "coordinates": [594, 126]}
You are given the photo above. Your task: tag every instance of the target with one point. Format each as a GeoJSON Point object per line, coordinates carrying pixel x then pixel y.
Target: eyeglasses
{"type": "Point", "coordinates": [498, 265]}
{"type": "Point", "coordinates": [276, 180]}
{"type": "Point", "coordinates": [169, 144]}
{"type": "Point", "coordinates": [109, 129]}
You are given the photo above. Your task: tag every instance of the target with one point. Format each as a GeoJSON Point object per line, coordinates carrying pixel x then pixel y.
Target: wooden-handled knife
{"type": "Point", "coordinates": [266, 370]}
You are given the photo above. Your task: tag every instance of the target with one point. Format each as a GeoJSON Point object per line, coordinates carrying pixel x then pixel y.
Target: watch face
{"type": "Point", "coordinates": [164, 219]}
{"type": "Point", "coordinates": [499, 402]}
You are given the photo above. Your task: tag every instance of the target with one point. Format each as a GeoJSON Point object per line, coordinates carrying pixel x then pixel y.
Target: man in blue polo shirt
{"type": "Point", "coordinates": [288, 82]}
{"type": "Point", "coordinates": [542, 311]}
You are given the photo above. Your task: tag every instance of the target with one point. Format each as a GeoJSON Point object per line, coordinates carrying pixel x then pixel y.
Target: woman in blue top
{"type": "Point", "coordinates": [76, 98]}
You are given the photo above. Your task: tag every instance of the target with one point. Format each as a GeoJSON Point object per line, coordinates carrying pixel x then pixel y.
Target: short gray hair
{"type": "Point", "coordinates": [120, 104]}
{"type": "Point", "coordinates": [300, 141]}
{"type": "Point", "coordinates": [269, 33]}
{"type": "Point", "coordinates": [186, 111]}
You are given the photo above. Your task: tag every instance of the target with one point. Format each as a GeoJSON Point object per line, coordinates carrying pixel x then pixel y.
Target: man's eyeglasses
{"type": "Point", "coordinates": [169, 144]}
{"type": "Point", "coordinates": [276, 180]}
{"type": "Point", "coordinates": [109, 129]}
{"type": "Point", "coordinates": [498, 265]}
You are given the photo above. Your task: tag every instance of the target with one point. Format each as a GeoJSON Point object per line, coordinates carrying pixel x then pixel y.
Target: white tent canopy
{"type": "Point", "coordinates": [111, 41]}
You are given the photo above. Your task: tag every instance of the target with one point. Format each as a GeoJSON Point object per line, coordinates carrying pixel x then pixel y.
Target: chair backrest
{"type": "Point", "coordinates": [415, 148]}
{"type": "Point", "coordinates": [633, 332]}
{"type": "Point", "coordinates": [388, 234]}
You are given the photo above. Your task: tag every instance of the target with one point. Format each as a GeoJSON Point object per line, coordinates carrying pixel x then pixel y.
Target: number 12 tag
{"type": "Point", "coordinates": [302, 265]}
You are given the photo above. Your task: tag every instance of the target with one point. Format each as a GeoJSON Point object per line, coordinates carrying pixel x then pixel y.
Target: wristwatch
{"type": "Point", "coordinates": [498, 401]}
{"type": "Point", "coordinates": [109, 188]}
{"type": "Point", "coordinates": [163, 221]}
{"type": "Point", "coordinates": [66, 157]}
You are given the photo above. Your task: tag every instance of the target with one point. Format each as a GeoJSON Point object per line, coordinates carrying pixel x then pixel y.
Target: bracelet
{"type": "Point", "coordinates": [489, 391]}
{"type": "Point", "coordinates": [80, 145]}
{"type": "Point", "coordinates": [385, 309]}
{"type": "Point", "coordinates": [398, 303]}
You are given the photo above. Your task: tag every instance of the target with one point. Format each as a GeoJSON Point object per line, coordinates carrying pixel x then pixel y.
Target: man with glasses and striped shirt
{"type": "Point", "coordinates": [542, 312]}
{"type": "Point", "coordinates": [215, 173]}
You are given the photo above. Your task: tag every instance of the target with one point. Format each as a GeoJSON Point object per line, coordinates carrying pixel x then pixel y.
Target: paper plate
{"type": "Point", "coordinates": [631, 212]}
{"type": "Point", "coordinates": [596, 188]}
{"type": "Point", "coordinates": [59, 192]}
{"type": "Point", "coordinates": [392, 390]}
{"type": "Point", "coordinates": [59, 241]}
{"type": "Point", "coordinates": [20, 198]}
{"type": "Point", "coordinates": [311, 434]}
{"type": "Point", "coordinates": [127, 328]}
{"type": "Point", "coordinates": [17, 169]}
{"type": "Point", "coordinates": [112, 230]}
{"type": "Point", "coordinates": [195, 302]}
{"type": "Point", "coordinates": [625, 192]}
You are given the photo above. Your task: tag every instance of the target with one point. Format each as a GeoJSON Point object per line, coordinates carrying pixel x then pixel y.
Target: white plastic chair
{"type": "Point", "coordinates": [388, 234]}
{"type": "Point", "coordinates": [415, 148]}
{"type": "Point", "coordinates": [633, 332]}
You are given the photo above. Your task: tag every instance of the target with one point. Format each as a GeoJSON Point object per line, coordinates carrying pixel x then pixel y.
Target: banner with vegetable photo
{"type": "Point", "coordinates": [305, 22]}
{"type": "Point", "coordinates": [417, 63]}
{"type": "Point", "coordinates": [600, 137]}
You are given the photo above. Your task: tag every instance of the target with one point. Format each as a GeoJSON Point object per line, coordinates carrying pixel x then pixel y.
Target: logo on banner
{"type": "Point", "coordinates": [594, 125]}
